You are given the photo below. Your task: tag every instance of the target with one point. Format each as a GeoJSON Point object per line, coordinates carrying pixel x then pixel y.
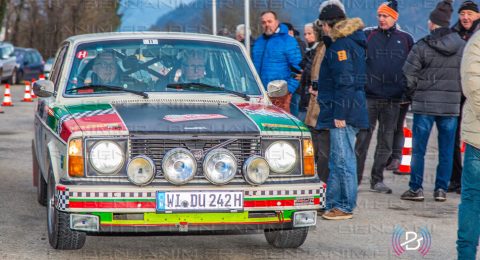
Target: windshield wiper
{"type": "Point", "coordinates": [116, 88]}
{"type": "Point", "coordinates": [197, 85]}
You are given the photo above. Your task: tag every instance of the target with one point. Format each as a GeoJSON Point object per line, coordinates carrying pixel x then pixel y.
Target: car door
{"type": "Point", "coordinates": [38, 64]}
{"type": "Point", "coordinates": [28, 64]}
{"type": "Point", "coordinates": [42, 129]}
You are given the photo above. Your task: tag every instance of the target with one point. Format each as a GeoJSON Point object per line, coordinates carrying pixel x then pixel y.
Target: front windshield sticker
{"type": "Point", "coordinates": [151, 41]}
{"type": "Point", "coordinates": [82, 54]}
{"type": "Point", "coordinates": [192, 117]}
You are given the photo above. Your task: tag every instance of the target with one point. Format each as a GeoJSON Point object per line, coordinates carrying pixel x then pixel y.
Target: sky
{"type": "Point", "coordinates": [139, 15]}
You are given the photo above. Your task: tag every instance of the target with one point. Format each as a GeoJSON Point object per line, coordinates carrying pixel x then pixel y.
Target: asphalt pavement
{"type": "Point", "coordinates": [23, 232]}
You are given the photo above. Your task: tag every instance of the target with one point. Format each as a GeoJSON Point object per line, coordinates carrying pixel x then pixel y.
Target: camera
{"type": "Point", "coordinates": [315, 85]}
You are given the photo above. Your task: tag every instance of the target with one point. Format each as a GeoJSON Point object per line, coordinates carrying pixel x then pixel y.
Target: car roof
{"type": "Point", "coordinates": [149, 35]}
{"type": "Point", "coordinates": [25, 49]}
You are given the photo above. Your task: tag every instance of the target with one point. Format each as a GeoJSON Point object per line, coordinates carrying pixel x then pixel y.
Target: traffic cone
{"type": "Point", "coordinates": [41, 77]}
{"type": "Point", "coordinates": [7, 98]}
{"type": "Point", "coordinates": [32, 93]}
{"type": "Point", "coordinates": [27, 97]}
{"type": "Point", "coordinates": [404, 168]}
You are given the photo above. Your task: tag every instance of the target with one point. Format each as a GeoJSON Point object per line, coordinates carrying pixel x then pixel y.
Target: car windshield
{"type": "Point", "coordinates": [153, 65]}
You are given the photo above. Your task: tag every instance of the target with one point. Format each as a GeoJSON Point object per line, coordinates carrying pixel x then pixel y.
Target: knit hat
{"type": "Point", "coordinates": [468, 5]}
{"type": "Point", "coordinates": [389, 8]}
{"type": "Point", "coordinates": [442, 13]}
{"type": "Point", "coordinates": [331, 10]}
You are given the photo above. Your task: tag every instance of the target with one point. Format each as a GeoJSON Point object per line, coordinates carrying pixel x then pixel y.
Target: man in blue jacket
{"type": "Point", "coordinates": [276, 56]}
{"type": "Point", "coordinates": [342, 102]}
{"type": "Point", "coordinates": [387, 50]}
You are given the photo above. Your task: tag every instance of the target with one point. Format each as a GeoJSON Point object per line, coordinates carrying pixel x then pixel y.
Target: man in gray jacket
{"type": "Point", "coordinates": [433, 75]}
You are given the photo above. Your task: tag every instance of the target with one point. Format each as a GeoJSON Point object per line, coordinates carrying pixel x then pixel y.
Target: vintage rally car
{"type": "Point", "coordinates": [168, 132]}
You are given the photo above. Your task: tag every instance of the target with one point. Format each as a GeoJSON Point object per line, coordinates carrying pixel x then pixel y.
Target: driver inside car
{"type": "Point", "coordinates": [104, 70]}
{"type": "Point", "coordinates": [193, 69]}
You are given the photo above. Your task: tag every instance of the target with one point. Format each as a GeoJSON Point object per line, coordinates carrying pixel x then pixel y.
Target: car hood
{"type": "Point", "coordinates": [179, 119]}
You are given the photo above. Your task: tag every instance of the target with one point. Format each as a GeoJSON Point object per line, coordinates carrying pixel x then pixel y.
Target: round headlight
{"type": "Point", "coordinates": [256, 170]}
{"type": "Point", "coordinates": [219, 166]}
{"type": "Point", "coordinates": [141, 170]}
{"type": "Point", "coordinates": [106, 157]}
{"type": "Point", "coordinates": [179, 166]}
{"type": "Point", "coordinates": [281, 156]}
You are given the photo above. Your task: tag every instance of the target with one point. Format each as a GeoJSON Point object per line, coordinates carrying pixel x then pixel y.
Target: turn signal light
{"type": "Point", "coordinates": [75, 158]}
{"type": "Point", "coordinates": [308, 158]}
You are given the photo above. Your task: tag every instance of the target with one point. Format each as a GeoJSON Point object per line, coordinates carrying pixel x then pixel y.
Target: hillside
{"type": "Point", "coordinates": [195, 17]}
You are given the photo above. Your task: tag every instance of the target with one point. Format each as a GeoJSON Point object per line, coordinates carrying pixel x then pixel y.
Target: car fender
{"type": "Point", "coordinates": [54, 156]}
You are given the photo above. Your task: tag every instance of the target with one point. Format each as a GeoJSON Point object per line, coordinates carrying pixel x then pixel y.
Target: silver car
{"type": "Point", "coordinates": [8, 63]}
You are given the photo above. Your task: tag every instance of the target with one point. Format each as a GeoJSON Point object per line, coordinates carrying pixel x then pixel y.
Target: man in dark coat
{"type": "Point", "coordinates": [387, 50]}
{"type": "Point", "coordinates": [433, 73]}
{"type": "Point", "coordinates": [468, 23]}
{"type": "Point", "coordinates": [342, 102]}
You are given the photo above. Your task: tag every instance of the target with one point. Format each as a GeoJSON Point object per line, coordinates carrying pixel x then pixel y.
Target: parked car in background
{"type": "Point", "coordinates": [7, 63]}
{"type": "Point", "coordinates": [29, 64]}
{"type": "Point", "coordinates": [47, 68]}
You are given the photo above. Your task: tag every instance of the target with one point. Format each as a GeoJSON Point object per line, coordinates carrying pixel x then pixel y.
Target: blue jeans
{"type": "Point", "coordinates": [422, 126]}
{"type": "Point", "coordinates": [469, 208]}
{"type": "Point", "coordinates": [342, 181]}
{"type": "Point", "coordinates": [295, 104]}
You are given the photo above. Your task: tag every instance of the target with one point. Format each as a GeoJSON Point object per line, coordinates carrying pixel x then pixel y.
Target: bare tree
{"type": "Point", "coordinates": [45, 24]}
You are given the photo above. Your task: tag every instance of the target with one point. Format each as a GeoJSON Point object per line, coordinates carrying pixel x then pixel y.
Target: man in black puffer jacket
{"type": "Point", "coordinates": [433, 73]}
{"type": "Point", "coordinates": [387, 50]}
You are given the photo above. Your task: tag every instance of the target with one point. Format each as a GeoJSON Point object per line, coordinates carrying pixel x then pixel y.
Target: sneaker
{"type": "Point", "coordinates": [453, 187]}
{"type": "Point", "coordinates": [413, 195]}
{"type": "Point", "coordinates": [336, 214]}
{"type": "Point", "coordinates": [393, 165]}
{"type": "Point", "coordinates": [440, 195]}
{"type": "Point", "coordinates": [380, 187]}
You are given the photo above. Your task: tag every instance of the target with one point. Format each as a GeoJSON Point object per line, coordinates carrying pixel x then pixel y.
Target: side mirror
{"type": "Point", "coordinates": [277, 88]}
{"type": "Point", "coordinates": [43, 88]}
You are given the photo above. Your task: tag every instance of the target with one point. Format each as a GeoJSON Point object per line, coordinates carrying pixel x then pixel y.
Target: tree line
{"type": "Point", "coordinates": [44, 24]}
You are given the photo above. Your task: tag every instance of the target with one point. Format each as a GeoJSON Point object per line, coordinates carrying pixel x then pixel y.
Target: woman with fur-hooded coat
{"type": "Point", "coordinates": [342, 100]}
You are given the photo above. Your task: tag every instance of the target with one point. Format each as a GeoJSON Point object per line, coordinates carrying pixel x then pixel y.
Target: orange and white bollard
{"type": "Point", "coordinates": [32, 94]}
{"type": "Point", "coordinates": [41, 77]}
{"type": "Point", "coordinates": [27, 97]}
{"type": "Point", "coordinates": [404, 168]}
{"type": "Point", "coordinates": [7, 97]}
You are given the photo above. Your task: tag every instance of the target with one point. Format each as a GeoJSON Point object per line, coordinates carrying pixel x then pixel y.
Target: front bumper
{"type": "Point", "coordinates": [132, 199]}
{"type": "Point", "coordinates": [133, 209]}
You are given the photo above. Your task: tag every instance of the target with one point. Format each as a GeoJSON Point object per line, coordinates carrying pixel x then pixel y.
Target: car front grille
{"type": "Point", "coordinates": [157, 148]}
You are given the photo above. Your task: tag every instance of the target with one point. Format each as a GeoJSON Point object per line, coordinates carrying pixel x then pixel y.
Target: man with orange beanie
{"type": "Point", "coordinates": [387, 50]}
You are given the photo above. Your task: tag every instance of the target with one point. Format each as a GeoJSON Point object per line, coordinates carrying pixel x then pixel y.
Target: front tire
{"type": "Point", "coordinates": [60, 236]}
{"type": "Point", "coordinates": [287, 238]}
{"type": "Point", "coordinates": [19, 79]}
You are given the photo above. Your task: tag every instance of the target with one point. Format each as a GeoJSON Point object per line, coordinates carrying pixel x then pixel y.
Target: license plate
{"type": "Point", "coordinates": [199, 200]}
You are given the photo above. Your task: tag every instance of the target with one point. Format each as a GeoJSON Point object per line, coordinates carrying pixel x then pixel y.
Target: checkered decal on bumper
{"type": "Point", "coordinates": [263, 193]}
{"type": "Point", "coordinates": [323, 197]}
{"type": "Point", "coordinates": [112, 195]}
{"type": "Point", "coordinates": [61, 199]}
